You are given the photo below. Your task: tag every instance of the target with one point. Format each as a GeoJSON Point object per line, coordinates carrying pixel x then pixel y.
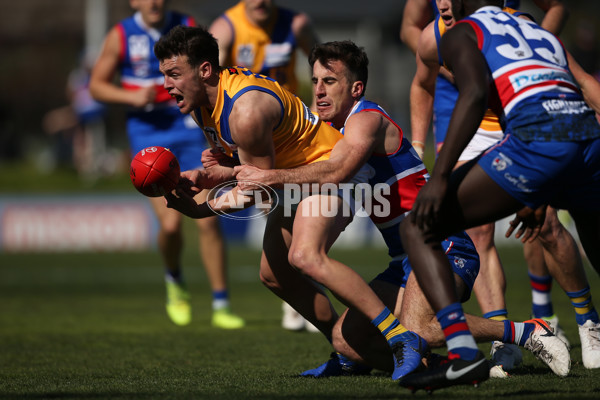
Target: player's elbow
{"type": "Point", "coordinates": [95, 88]}
{"type": "Point", "coordinates": [475, 94]}
{"type": "Point", "coordinates": [403, 36]}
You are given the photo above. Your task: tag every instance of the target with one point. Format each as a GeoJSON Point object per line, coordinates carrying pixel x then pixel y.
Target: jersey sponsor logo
{"type": "Point", "coordinates": [538, 75]}
{"type": "Point", "coordinates": [245, 55]}
{"type": "Point", "coordinates": [557, 106]}
{"type": "Point", "coordinates": [277, 54]}
{"type": "Point", "coordinates": [519, 182]}
{"type": "Point", "coordinates": [139, 53]}
{"type": "Point", "coordinates": [524, 58]}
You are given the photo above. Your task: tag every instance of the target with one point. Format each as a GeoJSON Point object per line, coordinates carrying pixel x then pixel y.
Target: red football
{"type": "Point", "coordinates": [154, 171]}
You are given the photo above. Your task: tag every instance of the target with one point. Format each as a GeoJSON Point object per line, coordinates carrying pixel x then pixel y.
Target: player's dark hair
{"type": "Point", "coordinates": [194, 42]}
{"type": "Point", "coordinates": [346, 51]}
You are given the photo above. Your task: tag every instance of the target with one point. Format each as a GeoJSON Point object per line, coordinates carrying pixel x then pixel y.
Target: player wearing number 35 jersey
{"type": "Point", "coordinates": [542, 107]}
{"type": "Point", "coordinates": [550, 154]}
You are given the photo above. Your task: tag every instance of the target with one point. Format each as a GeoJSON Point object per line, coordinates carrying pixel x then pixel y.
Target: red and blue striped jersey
{"type": "Point", "coordinates": [404, 173]}
{"type": "Point", "coordinates": [138, 65]}
{"type": "Point", "coordinates": [528, 65]}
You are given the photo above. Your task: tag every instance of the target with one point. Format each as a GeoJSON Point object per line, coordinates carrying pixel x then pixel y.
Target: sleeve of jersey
{"type": "Point", "coordinates": [477, 29]}
{"type": "Point", "coordinates": [123, 49]}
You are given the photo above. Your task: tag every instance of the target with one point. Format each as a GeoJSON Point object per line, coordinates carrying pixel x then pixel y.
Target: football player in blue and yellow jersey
{"type": "Point", "coordinates": [259, 35]}
{"type": "Point", "coordinates": [265, 38]}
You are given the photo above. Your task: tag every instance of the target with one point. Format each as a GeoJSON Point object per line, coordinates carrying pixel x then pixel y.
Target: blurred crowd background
{"type": "Point", "coordinates": [47, 47]}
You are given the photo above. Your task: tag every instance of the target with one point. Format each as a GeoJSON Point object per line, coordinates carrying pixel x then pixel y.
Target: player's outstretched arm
{"type": "Point", "coordinates": [230, 202]}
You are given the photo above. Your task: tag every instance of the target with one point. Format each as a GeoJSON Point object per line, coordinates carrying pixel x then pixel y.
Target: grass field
{"type": "Point", "coordinates": [93, 326]}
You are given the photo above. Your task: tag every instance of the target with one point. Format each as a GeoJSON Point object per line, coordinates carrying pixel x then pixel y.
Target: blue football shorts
{"type": "Point", "coordinates": [461, 253]}
{"type": "Point", "coordinates": [563, 174]}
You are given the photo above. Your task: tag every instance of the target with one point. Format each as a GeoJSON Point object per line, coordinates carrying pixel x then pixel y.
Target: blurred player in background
{"type": "Point", "coordinates": [154, 120]}
{"type": "Point", "coordinates": [259, 35]}
{"type": "Point", "coordinates": [79, 127]}
{"type": "Point", "coordinates": [432, 78]}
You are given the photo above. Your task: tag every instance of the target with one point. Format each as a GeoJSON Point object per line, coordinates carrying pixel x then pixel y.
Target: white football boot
{"type": "Point", "coordinates": [589, 333]}
{"type": "Point", "coordinates": [548, 348]}
{"type": "Point", "coordinates": [558, 331]}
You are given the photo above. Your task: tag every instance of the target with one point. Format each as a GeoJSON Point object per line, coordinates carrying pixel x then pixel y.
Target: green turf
{"type": "Point", "coordinates": [93, 326]}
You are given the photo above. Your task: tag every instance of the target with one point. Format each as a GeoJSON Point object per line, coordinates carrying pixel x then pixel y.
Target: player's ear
{"type": "Point", "coordinates": [205, 70]}
{"type": "Point", "coordinates": [357, 89]}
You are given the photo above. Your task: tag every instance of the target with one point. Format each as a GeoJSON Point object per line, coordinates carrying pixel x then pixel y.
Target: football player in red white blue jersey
{"type": "Point", "coordinates": [431, 90]}
{"type": "Point", "coordinates": [550, 155]}
{"type": "Point", "coordinates": [153, 119]}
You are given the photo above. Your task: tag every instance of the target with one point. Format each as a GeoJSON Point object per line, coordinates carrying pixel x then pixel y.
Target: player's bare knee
{"type": "Point", "coordinates": [552, 232]}
{"type": "Point", "coordinates": [308, 261]}
{"type": "Point", "coordinates": [170, 229]}
{"type": "Point", "coordinates": [207, 225]}
{"type": "Point", "coordinates": [268, 280]}
{"type": "Point", "coordinates": [482, 236]}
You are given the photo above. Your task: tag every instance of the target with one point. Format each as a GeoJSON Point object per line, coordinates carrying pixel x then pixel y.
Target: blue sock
{"type": "Point", "coordinates": [220, 299]}
{"type": "Point", "coordinates": [174, 276]}
{"type": "Point", "coordinates": [459, 340]}
{"type": "Point", "coordinates": [517, 332]}
{"type": "Point", "coordinates": [541, 287]}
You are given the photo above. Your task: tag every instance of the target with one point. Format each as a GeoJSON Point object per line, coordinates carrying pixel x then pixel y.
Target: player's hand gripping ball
{"type": "Point", "coordinates": [154, 171]}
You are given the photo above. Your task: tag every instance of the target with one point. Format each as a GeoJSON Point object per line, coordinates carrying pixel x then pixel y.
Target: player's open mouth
{"type": "Point", "coordinates": [448, 19]}
{"type": "Point", "coordinates": [178, 98]}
